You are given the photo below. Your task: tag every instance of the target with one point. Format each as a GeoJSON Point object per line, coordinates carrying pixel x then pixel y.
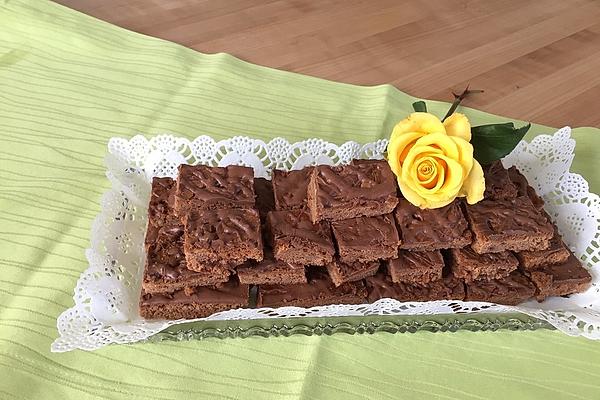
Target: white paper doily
{"type": "Point", "coordinates": [107, 292]}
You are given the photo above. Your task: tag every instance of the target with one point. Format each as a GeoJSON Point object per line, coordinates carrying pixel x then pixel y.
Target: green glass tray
{"type": "Point", "coordinates": [350, 325]}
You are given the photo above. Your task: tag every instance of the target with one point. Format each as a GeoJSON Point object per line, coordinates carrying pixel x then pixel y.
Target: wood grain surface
{"type": "Point", "coordinates": [535, 60]}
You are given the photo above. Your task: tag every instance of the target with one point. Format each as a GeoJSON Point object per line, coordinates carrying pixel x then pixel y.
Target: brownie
{"type": "Point", "coordinates": [498, 184]}
{"type": "Point", "coordinates": [364, 188]}
{"type": "Point", "coordinates": [510, 290]}
{"type": "Point", "coordinates": [416, 267]}
{"type": "Point", "coordinates": [523, 187]}
{"type": "Point", "coordinates": [431, 229]}
{"type": "Point", "coordinates": [556, 253]}
{"type": "Point", "coordinates": [198, 303]}
{"type": "Point", "coordinates": [295, 239]}
{"type": "Point", "coordinates": [381, 286]}
{"type": "Point", "coordinates": [200, 187]}
{"type": "Point", "coordinates": [222, 238]}
{"type": "Point", "coordinates": [341, 272]}
{"type": "Point", "coordinates": [468, 265]}
{"type": "Point", "coordinates": [319, 291]}
{"type": "Point", "coordinates": [515, 225]}
{"type": "Point", "coordinates": [289, 188]}
{"type": "Point", "coordinates": [162, 200]}
{"type": "Point", "coordinates": [166, 268]}
{"type": "Point", "coordinates": [366, 238]}
{"type": "Point", "coordinates": [160, 209]}
{"type": "Point", "coordinates": [264, 197]}
{"type": "Point", "coordinates": [560, 279]}
{"type": "Point", "coordinates": [270, 271]}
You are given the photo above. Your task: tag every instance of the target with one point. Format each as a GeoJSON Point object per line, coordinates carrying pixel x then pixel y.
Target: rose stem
{"type": "Point", "coordinates": [458, 98]}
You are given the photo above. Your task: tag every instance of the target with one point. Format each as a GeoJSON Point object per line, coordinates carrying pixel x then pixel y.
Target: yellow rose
{"type": "Point", "coordinates": [434, 166]}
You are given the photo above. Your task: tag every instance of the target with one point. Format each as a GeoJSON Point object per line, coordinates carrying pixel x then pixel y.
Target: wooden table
{"type": "Point", "coordinates": [536, 60]}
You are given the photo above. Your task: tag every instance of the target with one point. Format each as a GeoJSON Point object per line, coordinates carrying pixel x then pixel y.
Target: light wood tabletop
{"type": "Point", "coordinates": [536, 60]}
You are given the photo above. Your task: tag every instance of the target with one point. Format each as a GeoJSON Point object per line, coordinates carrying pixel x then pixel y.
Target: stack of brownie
{"type": "Point", "coordinates": [514, 233]}
{"type": "Point", "coordinates": [336, 224]}
{"type": "Point", "coordinates": [343, 235]}
{"type": "Point", "coordinates": [503, 249]}
{"type": "Point", "coordinates": [200, 229]}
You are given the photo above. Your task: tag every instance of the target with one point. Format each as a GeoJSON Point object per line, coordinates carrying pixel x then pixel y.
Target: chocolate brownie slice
{"type": "Point", "coordinates": [381, 286]}
{"type": "Point", "coordinates": [556, 253]}
{"type": "Point", "coordinates": [264, 197]}
{"type": "Point", "coordinates": [560, 279]}
{"type": "Point", "coordinates": [510, 290]}
{"type": "Point", "coordinates": [341, 272]}
{"type": "Point", "coordinates": [431, 229]}
{"type": "Point", "coordinates": [290, 188]}
{"type": "Point", "coordinates": [319, 291]}
{"type": "Point", "coordinates": [270, 271]}
{"type": "Point", "coordinates": [498, 184]}
{"type": "Point", "coordinates": [295, 239]}
{"type": "Point", "coordinates": [198, 303]}
{"type": "Point", "coordinates": [166, 268]}
{"type": "Point", "coordinates": [222, 238]}
{"type": "Point", "coordinates": [524, 189]}
{"type": "Point", "coordinates": [366, 239]}
{"type": "Point", "coordinates": [162, 200]}
{"type": "Point", "coordinates": [416, 267]}
{"type": "Point", "coordinates": [364, 188]}
{"type": "Point", "coordinates": [515, 225]}
{"type": "Point", "coordinates": [469, 265]}
{"type": "Point", "coordinates": [200, 187]}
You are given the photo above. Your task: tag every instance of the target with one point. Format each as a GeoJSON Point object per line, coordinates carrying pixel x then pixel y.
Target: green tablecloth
{"type": "Point", "coordinates": [67, 84]}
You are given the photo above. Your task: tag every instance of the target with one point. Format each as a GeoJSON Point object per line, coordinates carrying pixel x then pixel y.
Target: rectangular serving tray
{"type": "Point", "coordinates": [107, 293]}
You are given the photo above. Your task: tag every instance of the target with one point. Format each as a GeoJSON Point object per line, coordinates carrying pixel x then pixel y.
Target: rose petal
{"type": "Point", "coordinates": [465, 151]}
{"type": "Point", "coordinates": [454, 176]}
{"type": "Point", "coordinates": [428, 180]}
{"type": "Point", "coordinates": [474, 185]}
{"type": "Point", "coordinates": [426, 122]}
{"type": "Point", "coordinates": [458, 125]}
{"type": "Point", "coordinates": [441, 141]}
{"type": "Point", "coordinates": [397, 149]}
{"type": "Point", "coordinates": [411, 195]}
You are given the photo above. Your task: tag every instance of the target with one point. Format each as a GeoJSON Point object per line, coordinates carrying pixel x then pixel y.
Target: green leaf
{"type": "Point", "coordinates": [420, 106]}
{"type": "Point", "coordinates": [494, 141]}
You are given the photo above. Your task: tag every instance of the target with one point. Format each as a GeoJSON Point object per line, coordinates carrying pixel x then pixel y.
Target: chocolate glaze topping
{"type": "Point", "coordinates": [202, 187]}
{"type": "Point", "coordinates": [297, 224]}
{"type": "Point", "coordinates": [319, 286]}
{"type": "Point", "coordinates": [438, 225]}
{"type": "Point", "coordinates": [165, 258]}
{"type": "Point", "coordinates": [508, 216]}
{"type": "Point", "coordinates": [469, 255]}
{"type": "Point", "coordinates": [228, 293]}
{"type": "Point", "coordinates": [523, 187]}
{"type": "Point", "coordinates": [498, 184]}
{"type": "Point", "coordinates": [366, 232]}
{"type": "Point", "coordinates": [350, 269]}
{"type": "Point", "coordinates": [218, 228]}
{"type": "Point", "coordinates": [269, 263]}
{"type": "Point", "coordinates": [290, 187]}
{"type": "Point", "coordinates": [571, 270]}
{"type": "Point", "coordinates": [372, 181]}
{"type": "Point", "coordinates": [162, 200]}
{"type": "Point", "coordinates": [381, 286]}
{"type": "Point", "coordinates": [420, 259]}
{"type": "Point", "coordinates": [510, 290]}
